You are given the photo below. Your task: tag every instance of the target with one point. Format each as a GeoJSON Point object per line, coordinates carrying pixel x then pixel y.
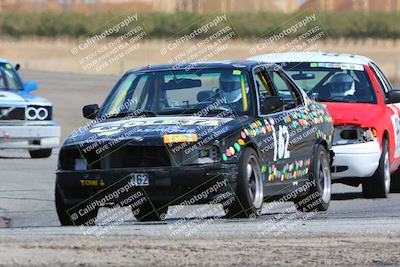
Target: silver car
{"type": "Point", "coordinates": [26, 121]}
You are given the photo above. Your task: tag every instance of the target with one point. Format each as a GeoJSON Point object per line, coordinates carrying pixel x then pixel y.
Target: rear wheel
{"type": "Point", "coordinates": [41, 153]}
{"type": "Point", "coordinates": [65, 218]}
{"type": "Point", "coordinates": [319, 194]}
{"type": "Point", "coordinates": [249, 190]}
{"type": "Point", "coordinates": [378, 185]}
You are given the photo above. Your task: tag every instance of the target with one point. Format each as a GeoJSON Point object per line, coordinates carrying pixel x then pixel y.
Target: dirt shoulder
{"type": "Point", "coordinates": [281, 251]}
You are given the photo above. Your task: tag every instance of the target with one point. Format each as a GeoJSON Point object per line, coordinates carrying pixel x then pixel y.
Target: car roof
{"type": "Point", "coordinates": [312, 57]}
{"type": "Point", "coordinates": [3, 60]}
{"type": "Point", "coordinates": [225, 64]}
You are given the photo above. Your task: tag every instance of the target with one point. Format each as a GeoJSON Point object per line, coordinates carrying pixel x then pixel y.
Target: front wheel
{"type": "Point", "coordinates": [249, 190]}
{"type": "Point", "coordinates": [319, 194]}
{"type": "Point", "coordinates": [378, 185]}
{"type": "Point", "coordinates": [64, 217]}
{"type": "Point", "coordinates": [41, 153]}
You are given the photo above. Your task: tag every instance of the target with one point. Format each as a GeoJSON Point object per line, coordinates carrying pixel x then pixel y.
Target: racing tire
{"type": "Point", "coordinates": [318, 196]}
{"type": "Point", "coordinates": [65, 219]}
{"type": "Point", "coordinates": [39, 154]}
{"type": "Point", "coordinates": [249, 192]}
{"type": "Point", "coordinates": [378, 185]}
{"type": "Point", "coordinates": [148, 211]}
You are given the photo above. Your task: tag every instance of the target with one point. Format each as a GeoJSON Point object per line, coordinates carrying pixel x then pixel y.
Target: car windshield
{"type": "Point", "coordinates": [333, 82]}
{"type": "Point", "coordinates": [9, 78]}
{"type": "Point", "coordinates": [204, 92]}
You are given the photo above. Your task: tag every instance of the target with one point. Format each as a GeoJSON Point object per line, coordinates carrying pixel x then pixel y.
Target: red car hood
{"type": "Point", "coordinates": [363, 115]}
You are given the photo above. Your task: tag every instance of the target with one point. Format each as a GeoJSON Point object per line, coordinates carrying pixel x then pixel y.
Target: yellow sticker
{"type": "Point", "coordinates": [8, 66]}
{"type": "Point", "coordinates": [180, 138]}
{"type": "Point", "coordinates": [244, 95]}
{"type": "Point", "coordinates": [236, 72]}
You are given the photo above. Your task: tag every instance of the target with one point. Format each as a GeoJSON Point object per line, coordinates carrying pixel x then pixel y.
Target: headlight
{"type": "Point", "coordinates": [351, 135]}
{"type": "Point", "coordinates": [38, 113]}
{"type": "Point", "coordinates": [80, 164]}
{"type": "Point", "coordinates": [71, 159]}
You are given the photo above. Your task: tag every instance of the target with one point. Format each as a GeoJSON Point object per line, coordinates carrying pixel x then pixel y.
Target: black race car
{"type": "Point", "coordinates": [235, 133]}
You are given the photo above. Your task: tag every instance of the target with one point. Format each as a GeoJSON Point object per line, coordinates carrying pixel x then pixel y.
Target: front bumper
{"type": "Point", "coordinates": [29, 137]}
{"type": "Point", "coordinates": [166, 184]}
{"type": "Point", "coordinates": [356, 160]}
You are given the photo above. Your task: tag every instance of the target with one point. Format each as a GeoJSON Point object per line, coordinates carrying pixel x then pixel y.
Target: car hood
{"type": "Point", "coordinates": [150, 131]}
{"type": "Point", "coordinates": [20, 98]}
{"type": "Point", "coordinates": [363, 115]}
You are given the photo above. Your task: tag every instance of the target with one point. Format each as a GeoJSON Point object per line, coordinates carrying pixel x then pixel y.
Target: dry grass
{"type": "Point", "coordinates": [55, 55]}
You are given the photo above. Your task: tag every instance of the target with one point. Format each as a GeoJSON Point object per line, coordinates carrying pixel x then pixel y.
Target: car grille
{"type": "Point", "coordinates": [12, 113]}
{"type": "Point", "coordinates": [137, 156]}
{"type": "Point", "coordinates": [118, 157]}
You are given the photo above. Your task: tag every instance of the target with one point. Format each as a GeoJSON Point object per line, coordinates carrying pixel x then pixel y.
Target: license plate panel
{"type": "Point", "coordinates": [139, 179]}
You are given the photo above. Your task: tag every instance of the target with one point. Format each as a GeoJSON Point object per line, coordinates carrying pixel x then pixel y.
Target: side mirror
{"type": "Point", "coordinates": [271, 104]}
{"type": "Point", "coordinates": [17, 67]}
{"type": "Point", "coordinates": [90, 111]}
{"type": "Point", "coordinates": [30, 86]}
{"type": "Point", "coordinates": [393, 96]}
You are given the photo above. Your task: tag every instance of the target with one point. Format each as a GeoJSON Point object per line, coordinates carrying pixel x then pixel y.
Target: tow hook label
{"type": "Point", "coordinates": [92, 183]}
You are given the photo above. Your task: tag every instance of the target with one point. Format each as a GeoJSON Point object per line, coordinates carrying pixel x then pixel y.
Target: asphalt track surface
{"type": "Point", "coordinates": [354, 231]}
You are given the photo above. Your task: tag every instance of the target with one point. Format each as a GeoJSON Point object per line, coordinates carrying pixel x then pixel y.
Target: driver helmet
{"type": "Point", "coordinates": [229, 84]}
{"type": "Point", "coordinates": [342, 84]}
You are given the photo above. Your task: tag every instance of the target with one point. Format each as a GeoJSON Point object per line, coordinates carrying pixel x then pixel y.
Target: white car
{"type": "Point", "coordinates": [26, 121]}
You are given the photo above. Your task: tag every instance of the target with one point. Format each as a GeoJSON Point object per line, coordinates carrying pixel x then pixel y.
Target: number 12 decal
{"type": "Point", "coordinates": [281, 143]}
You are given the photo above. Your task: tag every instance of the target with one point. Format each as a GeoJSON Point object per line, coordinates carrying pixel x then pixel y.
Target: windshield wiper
{"type": "Point", "coordinates": [219, 110]}
{"type": "Point", "coordinates": [180, 111]}
{"type": "Point", "coordinates": [136, 113]}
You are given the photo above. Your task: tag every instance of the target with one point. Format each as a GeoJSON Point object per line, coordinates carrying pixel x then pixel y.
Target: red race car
{"type": "Point", "coordinates": [365, 111]}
